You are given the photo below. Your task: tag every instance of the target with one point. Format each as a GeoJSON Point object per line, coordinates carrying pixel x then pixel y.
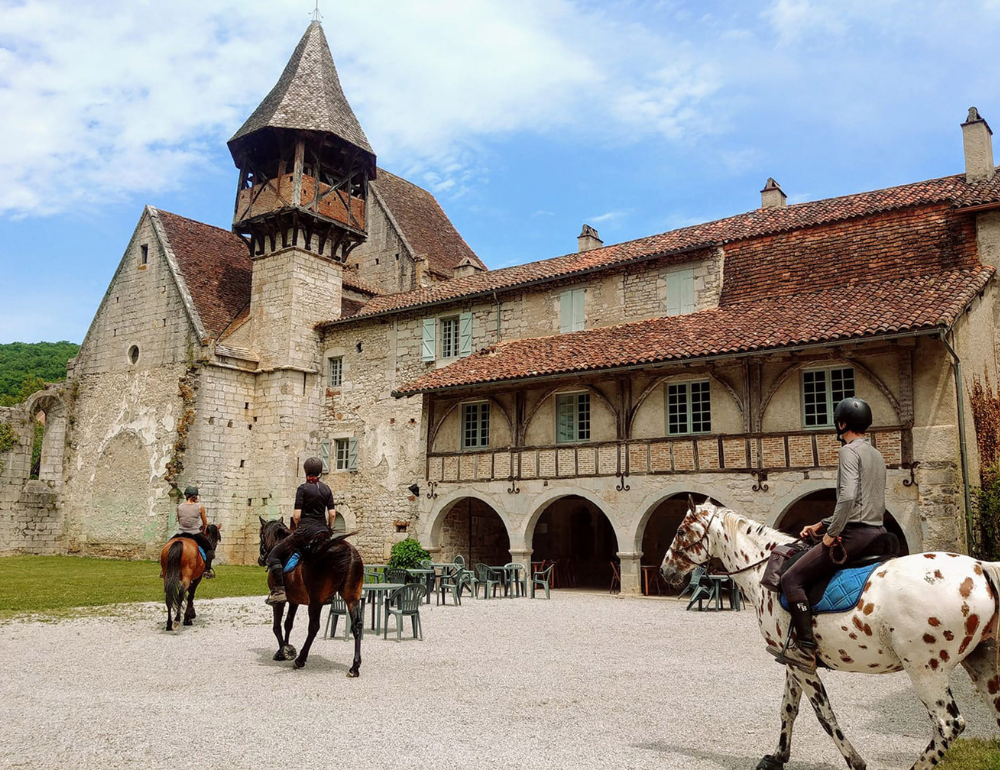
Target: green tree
{"type": "Point", "coordinates": [42, 361]}
{"type": "Point", "coordinates": [30, 384]}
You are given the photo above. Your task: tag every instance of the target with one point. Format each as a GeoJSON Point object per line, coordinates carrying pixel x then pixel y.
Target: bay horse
{"type": "Point", "coordinates": [181, 567]}
{"type": "Point", "coordinates": [328, 565]}
{"type": "Point", "coordinates": [923, 614]}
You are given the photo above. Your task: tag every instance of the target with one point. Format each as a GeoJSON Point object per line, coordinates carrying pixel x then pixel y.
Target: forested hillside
{"type": "Point", "coordinates": [23, 367]}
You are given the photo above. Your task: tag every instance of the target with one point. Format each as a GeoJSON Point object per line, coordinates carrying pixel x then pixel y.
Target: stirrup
{"type": "Point", "coordinates": [276, 596]}
{"type": "Point", "coordinates": [208, 574]}
{"type": "Point", "coordinates": [797, 658]}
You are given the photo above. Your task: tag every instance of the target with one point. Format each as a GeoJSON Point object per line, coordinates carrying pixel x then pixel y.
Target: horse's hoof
{"type": "Point", "coordinates": [288, 651]}
{"type": "Point", "coordinates": [299, 663]}
{"type": "Point", "coordinates": [188, 623]}
{"type": "Point", "coordinates": [770, 763]}
{"type": "Point", "coordinates": [279, 655]}
{"type": "Point", "coordinates": [352, 674]}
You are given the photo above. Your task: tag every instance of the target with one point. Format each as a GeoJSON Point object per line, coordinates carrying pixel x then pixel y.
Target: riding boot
{"type": "Point", "coordinates": [209, 573]}
{"type": "Point", "coordinates": [277, 595]}
{"type": "Point", "coordinates": [803, 654]}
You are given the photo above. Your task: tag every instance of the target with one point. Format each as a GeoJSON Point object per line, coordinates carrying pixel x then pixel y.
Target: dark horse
{"type": "Point", "coordinates": [181, 568]}
{"type": "Point", "coordinates": [329, 565]}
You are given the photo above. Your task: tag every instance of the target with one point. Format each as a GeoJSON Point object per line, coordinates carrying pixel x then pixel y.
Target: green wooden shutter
{"type": "Point", "coordinates": [673, 294]}
{"type": "Point", "coordinates": [324, 455]}
{"type": "Point", "coordinates": [430, 343]}
{"type": "Point", "coordinates": [565, 312]}
{"type": "Point", "coordinates": [352, 454]}
{"type": "Point", "coordinates": [578, 318]}
{"type": "Point", "coordinates": [465, 334]}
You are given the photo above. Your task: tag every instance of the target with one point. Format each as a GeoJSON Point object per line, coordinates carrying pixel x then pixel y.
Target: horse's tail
{"type": "Point", "coordinates": [172, 585]}
{"type": "Point", "coordinates": [324, 542]}
{"type": "Point", "coordinates": [992, 571]}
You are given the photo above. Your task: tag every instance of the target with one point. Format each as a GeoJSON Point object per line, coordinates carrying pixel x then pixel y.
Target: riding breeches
{"type": "Point", "coordinates": [201, 539]}
{"type": "Point", "coordinates": [817, 564]}
{"type": "Point", "coordinates": [283, 550]}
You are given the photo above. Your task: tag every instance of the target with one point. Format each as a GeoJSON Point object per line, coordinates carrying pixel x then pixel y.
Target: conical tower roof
{"type": "Point", "coordinates": [307, 96]}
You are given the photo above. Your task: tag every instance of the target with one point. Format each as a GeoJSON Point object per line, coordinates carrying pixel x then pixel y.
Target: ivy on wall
{"type": "Point", "coordinates": [175, 465]}
{"type": "Point", "coordinates": [986, 498]}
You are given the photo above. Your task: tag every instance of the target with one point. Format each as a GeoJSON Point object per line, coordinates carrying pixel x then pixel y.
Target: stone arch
{"type": "Point", "coordinates": [681, 487]}
{"type": "Point", "coordinates": [821, 493]}
{"type": "Point", "coordinates": [120, 517]}
{"type": "Point", "coordinates": [472, 525]}
{"type": "Point", "coordinates": [47, 406]}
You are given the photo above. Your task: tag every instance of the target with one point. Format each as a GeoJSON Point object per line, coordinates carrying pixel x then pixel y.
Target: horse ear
{"type": "Point", "coordinates": [691, 505]}
{"type": "Point", "coordinates": [705, 501]}
{"type": "Point", "coordinates": [262, 522]}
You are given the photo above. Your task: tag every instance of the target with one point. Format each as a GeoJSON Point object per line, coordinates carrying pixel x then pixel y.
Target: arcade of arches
{"type": "Point", "coordinates": [578, 537]}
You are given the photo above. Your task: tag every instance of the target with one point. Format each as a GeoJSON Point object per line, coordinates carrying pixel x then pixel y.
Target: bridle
{"type": "Point", "coordinates": [268, 539]}
{"type": "Point", "coordinates": [705, 563]}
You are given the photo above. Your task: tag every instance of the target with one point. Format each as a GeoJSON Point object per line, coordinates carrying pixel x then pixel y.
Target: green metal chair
{"type": "Point", "coordinates": [517, 577]}
{"type": "Point", "coordinates": [395, 575]}
{"type": "Point", "coordinates": [542, 579]}
{"type": "Point", "coordinates": [338, 607]}
{"type": "Point", "coordinates": [488, 579]}
{"type": "Point", "coordinates": [404, 602]}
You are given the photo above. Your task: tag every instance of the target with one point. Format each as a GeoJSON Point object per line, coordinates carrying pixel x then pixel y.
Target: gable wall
{"type": "Point", "coordinates": [394, 271]}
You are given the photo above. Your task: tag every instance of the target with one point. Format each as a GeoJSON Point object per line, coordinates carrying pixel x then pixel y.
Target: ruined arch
{"type": "Point", "coordinates": [48, 408]}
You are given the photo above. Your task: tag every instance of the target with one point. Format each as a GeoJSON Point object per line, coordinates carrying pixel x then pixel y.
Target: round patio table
{"type": "Point", "coordinates": [378, 592]}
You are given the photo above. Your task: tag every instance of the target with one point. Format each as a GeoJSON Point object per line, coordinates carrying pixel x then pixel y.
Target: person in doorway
{"type": "Point", "coordinates": [192, 522]}
{"type": "Point", "coordinates": [856, 522]}
{"type": "Point", "coordinates": [314, 511]}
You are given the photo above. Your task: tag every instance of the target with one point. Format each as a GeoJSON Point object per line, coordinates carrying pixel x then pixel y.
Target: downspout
{"type": "Point", "coordinates": [963, 453]}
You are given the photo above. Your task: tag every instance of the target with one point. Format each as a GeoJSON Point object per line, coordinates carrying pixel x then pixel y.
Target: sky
{"type": "Point", "coordinates": [525, 118]}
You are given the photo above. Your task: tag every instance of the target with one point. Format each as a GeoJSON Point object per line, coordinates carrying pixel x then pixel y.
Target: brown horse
{"type": "Point", "coordinates": [181, 567]}
{"type": "Point", "coordinates": [329, 565]}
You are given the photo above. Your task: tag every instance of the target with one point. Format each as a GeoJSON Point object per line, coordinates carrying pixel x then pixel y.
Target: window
{"type": "Point", "coordinates": [454, 332]}
{"type": "Point", "coordinates": [571, 311]}
{"type": "Point", "coordinates": [449, 337]}
{"type": "Point", "coordinates": [680, 292]}
{"type": "Point", "coordinates": [821, 390]}
{"type": "Point", "coordinates": [336, 371]}
{"type": "Point", "coordinates": [144, 257]}
{"type": "Point", "coordinates": [689, 408]}
{"type": "Point", "coordinates": [572, 417]}
{"type": "Point", "coordinates": [475, 425]}
{"type": "Point", "coordinates": [346, 454]}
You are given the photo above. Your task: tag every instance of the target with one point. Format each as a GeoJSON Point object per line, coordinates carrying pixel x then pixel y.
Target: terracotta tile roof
{"type": "Point", "coordinates": [952, 191]}
{"type": "Point", "coordinates": [307, 96]}
{"type": "Point", "coordinates": [215, 266]}
{"type": "Point", "coordinates": [887, 307]}
{"type": "Point", "coordinates": [424, 224]}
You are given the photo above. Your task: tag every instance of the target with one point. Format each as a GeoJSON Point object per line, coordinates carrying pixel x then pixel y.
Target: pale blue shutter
{"type": "Point", "coordinates": [352, 454]}
{"type": "Point", "coordinates": [565, 312]}
{"type": "Point", "coordinates": [465, 334]}
{"type": "Point", "coordinates": [578, 320]}
{"type": "Point", "coordinates": [324, 455]}
{"type": "Point", "coordinates": [430, 344]}
{"type": "Point", "coordinates": [673, 294]}
{"type": "Point", "coordinates": [687, 292]}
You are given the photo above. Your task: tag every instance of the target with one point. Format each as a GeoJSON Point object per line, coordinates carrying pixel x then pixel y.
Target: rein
{"type": "Point", "coordinates": [705, 563]}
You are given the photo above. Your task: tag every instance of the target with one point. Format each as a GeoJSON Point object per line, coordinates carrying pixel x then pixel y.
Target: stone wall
{"type": "Point", "coordinates": [383, 259]}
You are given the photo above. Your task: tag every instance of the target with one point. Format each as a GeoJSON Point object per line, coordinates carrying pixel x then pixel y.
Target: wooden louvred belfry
{"type": "Point", "coordinates": [304, 162]}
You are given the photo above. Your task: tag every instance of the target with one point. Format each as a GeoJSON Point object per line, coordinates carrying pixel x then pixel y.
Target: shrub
{"type": "Point", "coordinates": [987, 515]}
{"type": "Point", "coordinates": [407, 554]}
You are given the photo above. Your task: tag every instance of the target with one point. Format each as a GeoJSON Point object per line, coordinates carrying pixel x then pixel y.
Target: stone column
{"type": "Point", "coordinates": [631, 569]}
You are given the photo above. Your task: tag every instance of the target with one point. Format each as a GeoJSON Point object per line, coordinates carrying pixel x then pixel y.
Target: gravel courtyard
{"type": "Point", "coordinates": [582, 681]}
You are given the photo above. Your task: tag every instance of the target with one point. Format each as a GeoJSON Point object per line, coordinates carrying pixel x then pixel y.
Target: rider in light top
{"type": "Point", "coordinates": [192, 522]}
{"type": "Point", "coordinates": [856, 522]}
{"type": "Point", "coordinates": [314, 511]}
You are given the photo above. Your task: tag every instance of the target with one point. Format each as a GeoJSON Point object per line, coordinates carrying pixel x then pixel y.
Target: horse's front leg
{"type": "Point", "coordinates": [357, 613]}
{"type": "Point", "coordinates": [816, 692]}
{"type": "Point", "coordinates": [315, 612]}
{"type": "Point", "coordinates": [279, 612]}
{"type": "Point", "coordinates": [789, 710]}
{"type": "Point", "coordinates": [189, 613]}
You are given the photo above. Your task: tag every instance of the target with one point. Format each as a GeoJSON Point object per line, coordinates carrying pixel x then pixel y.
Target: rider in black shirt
{"type": "Point", "coordinates": [314, 511]}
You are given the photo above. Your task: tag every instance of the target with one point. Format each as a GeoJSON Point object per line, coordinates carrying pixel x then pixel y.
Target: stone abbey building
{"type": "Point", "coordinates": [560, 410]}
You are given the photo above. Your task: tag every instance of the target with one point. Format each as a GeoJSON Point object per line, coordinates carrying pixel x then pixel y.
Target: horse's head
{"type": "Point", "coordinates": [214, 534]}
{"type": "Point", "coordinates": [271, 533]}
{"type": "Point", "coordinates": [691, 546]}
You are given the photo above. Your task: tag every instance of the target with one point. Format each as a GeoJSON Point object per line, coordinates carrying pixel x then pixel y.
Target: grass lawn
{"type": "Point", "coordinates": [973, 754]}
{"type": "Point", "coordinates": [52, 585]}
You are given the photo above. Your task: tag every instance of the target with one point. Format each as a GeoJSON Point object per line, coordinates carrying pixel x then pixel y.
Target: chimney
{"type": "Point", "coordinates": [772, 196]}
{"type": "Point", "coordinates": [588, 239]}
{"type": "Point", "coordinates": [465, 267]}
{"type": "Point", "coordinates": [976, 135]}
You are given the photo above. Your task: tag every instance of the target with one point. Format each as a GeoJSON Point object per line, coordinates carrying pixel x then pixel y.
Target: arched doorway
{"type": "Point", "coordinates": [575, 534]}
{"type": "Point", "coordinates": [474, 530]}
{"type": "Point", "coordinates": [661, 526]}
{"type": "Point", "coordinates": [820, 504]}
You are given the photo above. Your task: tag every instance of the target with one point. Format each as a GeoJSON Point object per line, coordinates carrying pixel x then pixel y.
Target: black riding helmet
{"type": "Point", "coordinates": [854, 413]}
{"type": "Point", "coordinates": [313, 466]}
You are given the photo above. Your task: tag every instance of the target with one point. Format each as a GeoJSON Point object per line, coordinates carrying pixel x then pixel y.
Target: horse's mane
{"type": "Point", "coordinates": [734, 522]}
{"type": "Point", "coordinates": [212, 531]}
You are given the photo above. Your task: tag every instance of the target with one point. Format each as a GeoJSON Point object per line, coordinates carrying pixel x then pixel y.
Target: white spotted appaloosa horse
{"type": "Point", "coordinates": [923, 614]}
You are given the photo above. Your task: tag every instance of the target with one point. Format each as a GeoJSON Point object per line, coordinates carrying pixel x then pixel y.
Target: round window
{"type": "Point", "coordinates": [133, 353]}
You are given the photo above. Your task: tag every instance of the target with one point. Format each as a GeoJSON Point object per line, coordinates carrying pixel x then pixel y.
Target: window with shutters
{"type": "Point", "coordinates": [447, 337]}
{"type": "Point", "coordinates": [346, 454]}
{"type": "Point", "coordinates": [689, 408]}
{"type": "Point", "coordinates": [680, 292]}
{"type": "Point", "coordinates": [571, 318]}
{"type": "Point", "coordinates": [476, 425]}
{"type": "Point", "coordinates": [822, 389]}
{"type": "Point", "coordinates": [572, 417]}
{"type": "Point", "coordinates": [336, 368]}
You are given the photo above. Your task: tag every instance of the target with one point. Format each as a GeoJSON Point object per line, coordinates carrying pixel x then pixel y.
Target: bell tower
{"type": "Point", "coordinates": [304, 166]}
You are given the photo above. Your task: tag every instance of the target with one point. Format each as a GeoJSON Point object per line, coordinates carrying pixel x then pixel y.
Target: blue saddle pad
{"type": "Point", "coordinates": [293, 561]}
{"type": "Point", "coordinates": [844, 590]}
{"type": "Point", "coordinates": [202, 552]}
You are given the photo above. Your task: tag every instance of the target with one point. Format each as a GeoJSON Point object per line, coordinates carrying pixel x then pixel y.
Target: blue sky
{"type": "Point", "coordinates": [525, 118]}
